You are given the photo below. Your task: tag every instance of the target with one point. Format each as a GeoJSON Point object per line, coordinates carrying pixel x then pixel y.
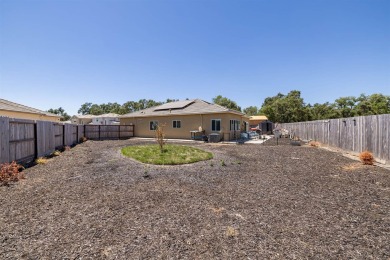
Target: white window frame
{"type": "Point", "coordinates": [235, 125]}
{"type": "Point", "coordinates": [155, 123]}
{"type": "Point", "coordinates": [220, 125]}
{"type": "Point", "coordinates": [176, 121]}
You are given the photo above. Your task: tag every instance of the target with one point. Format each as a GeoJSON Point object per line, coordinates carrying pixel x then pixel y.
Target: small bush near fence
{"type": "Point", "coordinates": [41, 160]}
{"type": "Point", "coordinates": [366, 158]}
{"type": "Point", "coordinates": [10, 172]}
{"type": "Point", "coordinates": [314, 144]}
{"type": "Point", "coordinates": [83, 139]}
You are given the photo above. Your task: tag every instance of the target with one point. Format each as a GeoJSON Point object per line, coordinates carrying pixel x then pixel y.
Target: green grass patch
{"type": "Point", "coordinates": [172, 155]}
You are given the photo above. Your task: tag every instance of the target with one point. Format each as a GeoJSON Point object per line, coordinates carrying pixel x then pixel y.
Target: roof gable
{"type": "Point", "coordinates": [11, 106]}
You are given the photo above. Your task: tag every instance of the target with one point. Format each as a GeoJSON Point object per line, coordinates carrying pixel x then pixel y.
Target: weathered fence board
{"type": "Point", "coordinates": [24, 140]}
{"type": "Point", "coordinates": [21, 139]}
{"type": "Point", "coordinates": [102, 132]}
{"type": "Point", "coordinates": [4, 139]}
{"type": "Point", "coordinates": [80, 132]}
{"type": "Point", "coordinates": [70, 134]}
{"type": "Point", "coordinates": [356, 134]}
{"type": "Point", "coordinates": [45, 138]}
{"type": "Point", "coordinates": [58, 135]}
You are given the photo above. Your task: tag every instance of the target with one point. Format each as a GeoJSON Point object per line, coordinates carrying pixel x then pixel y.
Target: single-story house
{"type": "Point", "coordinates": [82, 119]}
{"type": "Point", "coordinates": [15, 110]}
{"type": "Point", "coordinates": [105, 119]}
{"type": "Point", "coordinates": [188, 119]}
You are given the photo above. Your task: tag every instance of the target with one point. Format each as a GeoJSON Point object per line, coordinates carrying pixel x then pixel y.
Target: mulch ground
{"type": "Point", "coordinates": [249, 202]}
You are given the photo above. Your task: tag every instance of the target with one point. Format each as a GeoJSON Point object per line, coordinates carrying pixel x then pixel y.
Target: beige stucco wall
{"type": "Point", "coordinates": [31, 116]}
{"type": "Point", "coordinates": [188, 123]}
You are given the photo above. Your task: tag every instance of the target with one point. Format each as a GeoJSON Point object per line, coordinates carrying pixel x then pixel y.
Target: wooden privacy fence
{"type": "Point", "coordinates": [24, 140]}
{"type": "Point", "coordinates": [371, 133]}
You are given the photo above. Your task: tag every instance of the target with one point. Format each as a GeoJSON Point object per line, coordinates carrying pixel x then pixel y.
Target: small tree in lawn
{"type": "Point", "coordinates": [160, 136]}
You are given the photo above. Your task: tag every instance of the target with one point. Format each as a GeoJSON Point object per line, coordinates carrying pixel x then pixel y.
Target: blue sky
{"type": "Point", "coordinates": [66, 53]}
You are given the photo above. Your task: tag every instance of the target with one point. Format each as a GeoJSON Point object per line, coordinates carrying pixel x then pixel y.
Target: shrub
{"type": "Point", "coordinates": [56, 153]}
{"type": "Point", "coordinates": [10, 172]}
{"type": "Point", "coordinates": [231, 232]}
{"type": "Point", "coordinates": [41, 160]}
{"type": "Point", "coordinates": [314, 144]}
{"type": "Point", "coordinates": [83, 139]}
{"type": "Point", "coordinates": [366, 158]}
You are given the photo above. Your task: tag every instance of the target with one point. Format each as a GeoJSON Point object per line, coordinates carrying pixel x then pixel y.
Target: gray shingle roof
{"type": "Point", "coordinates": [11, 106]}
{"type": "Point", "coordinates": [195, 106]}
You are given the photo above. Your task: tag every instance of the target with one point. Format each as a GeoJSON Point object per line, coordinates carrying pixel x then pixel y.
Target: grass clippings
{"type": "Point", "coordinates": [171, 155]}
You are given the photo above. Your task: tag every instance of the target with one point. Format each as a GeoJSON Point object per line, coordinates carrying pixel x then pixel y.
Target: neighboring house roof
{"type": "Point", "coordinates": [108, 115]}
{"type": "Point", "coordinates": [258, 118]}
{"type": "Point", "coordinates": [185, 107]}
{"type": "Point", "coordinates": [83, 116]}
{"type": "Point", "coordinates": [95, 116]}
{"type": "Point", "coordinates": [11, 106]}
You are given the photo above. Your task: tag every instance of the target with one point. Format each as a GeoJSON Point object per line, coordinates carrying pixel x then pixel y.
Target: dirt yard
{"type": "Point", "coordinates": [249, 202]}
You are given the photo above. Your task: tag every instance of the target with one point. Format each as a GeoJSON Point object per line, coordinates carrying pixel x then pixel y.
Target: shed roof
{"type": "Point", "coordinates": [186, 107]}
{"type": "Point", "coordinates": [12, 106]}
{"type": "Point", "coordinates": [256, 118]}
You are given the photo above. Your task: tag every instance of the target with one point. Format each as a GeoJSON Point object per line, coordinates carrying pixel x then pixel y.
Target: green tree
{"type": "Point", "coordinates": [251, 111]}
{"type": "Point", "coordinates": [60, 111]}
{"type": "Point", "coordinates": [225, 102]}
{"type": "Point", "coordinates": [322, 111]}
{"type": "Point", "coordinates": [110, 108]}
{"type": "Point", "coordinates": [345, 106]}
{"type": "Point", "coordinates": [286, 108]}
{"type": "Point", "coordinates": [85, 108]}
{"type": "Point", "coordinates": [96, 110]}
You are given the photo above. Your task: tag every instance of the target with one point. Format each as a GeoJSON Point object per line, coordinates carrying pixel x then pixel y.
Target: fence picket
{"type": "Point", "coordinates": [24, 140]}
{"type": "Point", "coordinates": [356, 134]}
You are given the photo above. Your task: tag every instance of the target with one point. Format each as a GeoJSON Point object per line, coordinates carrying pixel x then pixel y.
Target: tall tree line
{"type": "Point", "coordinates": [292, 108]}
{"type": "Point", "coordinates": [281, 108]}
{"type": "Point", "coordinates": [127, 107]}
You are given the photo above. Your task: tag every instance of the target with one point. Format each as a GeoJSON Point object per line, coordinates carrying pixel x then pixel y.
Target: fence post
{"type": "Point", "coordinates": [4, 139]}
{"type": "Point", "coordinates": [35, 140]}
{"type": "Point", "coordinates": [99, 132]}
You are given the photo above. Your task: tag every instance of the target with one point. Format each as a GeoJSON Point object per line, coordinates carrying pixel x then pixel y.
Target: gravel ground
{"type": "Point", "coordinates": [249, 202]}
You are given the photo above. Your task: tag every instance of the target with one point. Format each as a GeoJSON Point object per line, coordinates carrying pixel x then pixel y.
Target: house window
{"type": "Point", "coordinates": [153, 125]}
{"type": "Point", "coordinates": [176, 124]}
{"type": "Point", "coordinates": [234, 125]}
{"type": "Point", "coordinates": [216, 125]}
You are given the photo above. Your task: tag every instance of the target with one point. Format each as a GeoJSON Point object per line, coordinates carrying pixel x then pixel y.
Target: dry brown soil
{"type": "Point", "coordinates": [249, 202]}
